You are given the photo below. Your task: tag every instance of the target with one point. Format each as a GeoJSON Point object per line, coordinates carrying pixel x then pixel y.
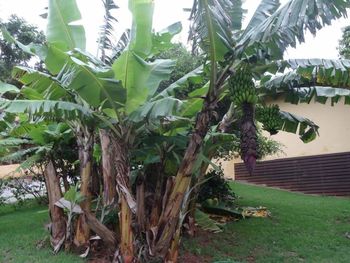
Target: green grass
{"type": "Point", "coordinates": [302, 229]}
{"type": "Point", "coordinates": [20, 230]}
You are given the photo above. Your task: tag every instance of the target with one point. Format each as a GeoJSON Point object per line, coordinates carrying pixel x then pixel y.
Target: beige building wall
{"type": "Point", "coordinates": [334, 131]}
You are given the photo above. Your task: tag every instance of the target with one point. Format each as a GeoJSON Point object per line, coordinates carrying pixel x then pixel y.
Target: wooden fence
{"type": "Point", "coordinates": [327, 174]}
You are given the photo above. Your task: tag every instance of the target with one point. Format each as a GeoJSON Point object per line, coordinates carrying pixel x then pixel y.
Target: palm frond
{"type": "Point", "coordinates": [13, 142]}
{"type": "Point", "coordinates": [94, 84]}
{"type": "Point", "coordinates": [38, 85]}
{"type": "Point", "coordinates": [29, 162]}
{"type": "Point", "coordinates": [237, 13]}
{"type": "Point", "coordinates": [105, 41]}
{"type": "Point", "coordinates": [306, 128]}
{"type": "Point", "coordinates": [193, 77]}
{"type": "Point", "coordinates": [211, 26]}
{"type": "Point", "coordinates": [18, 155]}
{"type": "Point", "coordinates": [47, 109]}
{"type": "Point", "coordinates": [117, 49]}
{"type": "Point", "coordinates": [265, 9]}
{"type": "Point", "coordinates": [301, 80]}
{"type": "Point", "coordinates": [288, 24]}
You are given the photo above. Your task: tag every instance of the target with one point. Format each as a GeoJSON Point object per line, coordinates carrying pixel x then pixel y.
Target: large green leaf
{"type": "Point", "coordinates": [7, 88]}
{"type": "Point", "coordinates": [140, 78]}
{"type": "Point", "coordinates": [141, 31]}
{"type": "Point", "coordinates": [93, 83]}
{"type": "Point", "coordinates": [309, 78]}
{"type": "Point", "coordinates": [37, 134]}
{"type": "Point", "coordinates": [55, 59]}
{"type": "Point", "coordinates": [156, 109]}
{"type": "Point", "coordinates": [162, 40]}
{"type": "Point", "coordinates": [106, 30]}
{"type": "Point", "coordinates": [191, 107]}
{"type": "Point", "coordinates": [62, 30]}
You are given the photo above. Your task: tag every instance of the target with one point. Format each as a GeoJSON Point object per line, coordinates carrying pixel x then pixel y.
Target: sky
{"type": "Point", "coordinates": [168, 12]}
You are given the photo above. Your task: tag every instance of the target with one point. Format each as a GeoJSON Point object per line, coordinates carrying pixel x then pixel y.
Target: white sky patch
{"type": "Point", "coordinates": [167, 12]}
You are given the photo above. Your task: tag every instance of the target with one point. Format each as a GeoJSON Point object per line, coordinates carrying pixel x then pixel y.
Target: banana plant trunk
{"type": "Point", "coordinates": [170, 215]}
{"type": "Point", "coordinates": [223, 127]}
{"type": "Point", "coordinates": [108, 155]}
{"type": "Point", "coordinates": [58, 223]}
{"type": "Point", "coordinates": [126, 201]}
{"type": "Point", "coordinates": [196, 184]}
{"type": "Point", "coordinates": [85, 143]}
{"type": "Point", "coordinates": [248, 137]}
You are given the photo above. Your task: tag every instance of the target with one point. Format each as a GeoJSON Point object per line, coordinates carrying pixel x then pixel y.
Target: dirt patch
{"type": "Point", "coordinates": [203, 237]}
{"type": "Point", "coordinates": [188, 257]}
{"type": "Point", "coordinates": [8, 171]}
{"type": "Point", "coordinates": [99, 253]}
{"type": "Point", "coordinates": [342, 219]}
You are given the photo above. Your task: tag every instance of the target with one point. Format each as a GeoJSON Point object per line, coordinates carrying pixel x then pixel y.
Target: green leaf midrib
{"type": "Point", "coordinates": [70, 38]}
{"type": "Point", "coordinates": [110, 99]}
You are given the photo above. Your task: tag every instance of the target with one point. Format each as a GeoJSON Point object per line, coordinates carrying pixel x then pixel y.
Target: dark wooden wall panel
{"type": "Point", "coordinates": [327, 174]}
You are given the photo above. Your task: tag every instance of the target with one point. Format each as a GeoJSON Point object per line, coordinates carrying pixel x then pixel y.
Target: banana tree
{"type": "Point", "coordinates": [123, 100]}
{"type": "Point", "coordinates": [77, 83]}
{"type": "Point", "coordinates": [43, 88]}
{"type": "Point", "coordinates": [259, 47]}
{"type": "Point", "coordinates": [38, 144]}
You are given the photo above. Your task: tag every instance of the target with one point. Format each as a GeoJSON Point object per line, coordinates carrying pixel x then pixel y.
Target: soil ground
{"type": "Point", "coordinates": [8, 170]}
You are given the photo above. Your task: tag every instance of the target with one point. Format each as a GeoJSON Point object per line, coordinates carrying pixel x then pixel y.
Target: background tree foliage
{"type": "Point", "coordinates": [344, 44]}
{"type": "Point", "coordinates": [10, 54]}
{"type": "Point", "coordinates": [185, 62]}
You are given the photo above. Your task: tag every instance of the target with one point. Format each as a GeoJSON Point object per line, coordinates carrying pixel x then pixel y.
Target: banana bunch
{"type": "Point", "coordinates": [269, 116]}
{"type": "Point", "coordinates": [242, 87]}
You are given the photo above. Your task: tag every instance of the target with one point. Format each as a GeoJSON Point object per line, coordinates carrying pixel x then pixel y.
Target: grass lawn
{"type": "Point", "coordinates": [20, 231]}
{"type": "Point", "coordinates": [302, 229]}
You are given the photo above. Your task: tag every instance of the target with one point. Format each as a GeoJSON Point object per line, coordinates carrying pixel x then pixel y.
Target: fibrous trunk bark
{"type": "Point", "coordinates": [248, 137]}
{"type": "Point", "coordinates": [196, 184]}
{"type": "Point", "coordinates": [126, 201]}
{"type": "Point", "coordinates": [108, 155]}
{"type": "Point", "coordinates": [58, 223]}
{"type": "Point", "coordinates": [85, 144]}
{"type": "Point", "coordinates": [158, 193]}
{"type": "Point", "coordinates": [223, 127]}
{"type": "Point", "coordinates": [168, 223]}
{"type": "Point", "coordinates": [101, 230]}
{"type": "Point", "coordinates": [140, 200]}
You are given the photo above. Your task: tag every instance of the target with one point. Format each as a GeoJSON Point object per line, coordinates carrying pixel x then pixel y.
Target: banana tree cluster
{"type": "Point", "coordinates": [154, 146]}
